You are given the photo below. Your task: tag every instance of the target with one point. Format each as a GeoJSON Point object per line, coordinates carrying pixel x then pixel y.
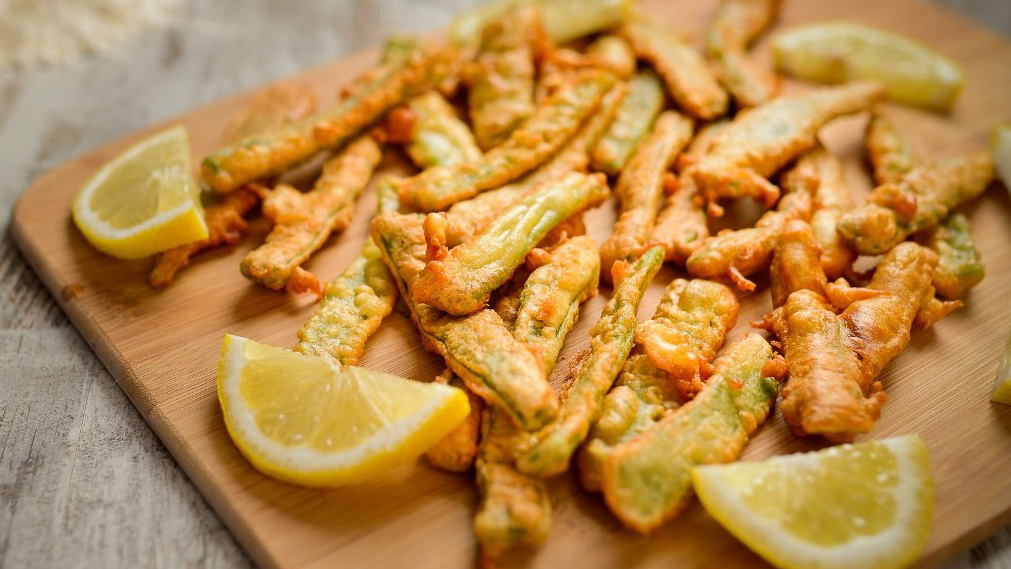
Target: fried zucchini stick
{"type": "Point", "coordinates": [613, 53]}
{"type": "Point", "coordinates": [501, 78]}
{"type": "Point", "coordinates": [825, 394]}
{"type": "Point", "coordinates": [834, 361]}
{"type": "Point", "coordinates": [636, 114]}
{"type": "Point", "coordinates": [467, 217]}
{"type": "Point", "coordinates": [689, 81]}
{"type": "Point", "coordinates": [958, 267]}
{"type": "Point", "coordinates": [820, 172]}
{"type": "Point", "coordinates": [439, 137]}
{"type": "Point", "coordinates": [478, 348]}
{"type": "Point", "coordinates": [796, 264]}
{"type": "Point", "coordinates": [456, 451]}
{"type": "Point", "coordinates": [546, 308]}
{"type": "Point", "coordinates": [270, 108]}
{"type": "Point", "coordinates": [646, 480]}
{"type": "Point", "coordinates": [736, 254]}
{"type": "Point", "coordinates": [665, 368]}
{"type": "Point", "coordinates": [610, 342]}
{"type": "Point", "coordinates": [278, 150]}
{"type": "Point", "coordinates": [764, 139]}
{"type": "Point", "coordinates": [920, 201]}
{"type": "Point", "coordinates": [352, 307]}
{"type": "Point", "coordinates": [544, 133]}
{"type": "Point", "coordinates": [463, 281]}
{"type": "Point", "coordinates": [734, 28]}
{"type": "Point", "coordinates": [564, 20]}
{"type": "Point", "coordinates": [890, 153]}
{"type": "Point", "coordinates": [640, 188]}
{"type": "Point", "coordinates": [303, 222]}
{"type": "Point", "coordinates": [681, 226]}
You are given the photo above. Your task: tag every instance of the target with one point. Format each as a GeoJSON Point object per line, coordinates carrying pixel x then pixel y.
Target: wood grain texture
{"type": "Point", "coordinates": [82, 482]}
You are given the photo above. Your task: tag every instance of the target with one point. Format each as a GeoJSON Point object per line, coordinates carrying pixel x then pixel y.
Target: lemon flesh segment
{"type": "Point", "coordinates": [862, 505]}
{"type": "Point", "coordinates": [301, 419]}
{"type": "Point", "coordinates": [143, 201]}
{"type": "Point", "coordinates": [836, 52]}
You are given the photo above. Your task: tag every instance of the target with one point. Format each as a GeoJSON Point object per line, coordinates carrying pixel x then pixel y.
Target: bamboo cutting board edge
{"type": "Point", "coordinates": [142, 397]}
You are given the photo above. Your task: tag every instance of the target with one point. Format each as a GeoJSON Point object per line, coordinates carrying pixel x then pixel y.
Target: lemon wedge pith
{"type": "Point", "coordinates": [863, 505]}
{"type": "Point", "coordinates": [143, 201]}
{"type": "Point", "coordinates": [836, 52]}
{"type": "Point", "coordinates": [301, 419]}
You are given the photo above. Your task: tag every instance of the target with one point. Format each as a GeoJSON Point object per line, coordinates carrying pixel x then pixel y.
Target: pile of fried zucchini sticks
{"type": "Point", "coordinates": [486, 244]}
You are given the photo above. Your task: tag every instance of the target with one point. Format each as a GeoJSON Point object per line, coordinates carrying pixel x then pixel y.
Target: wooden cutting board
{"type": "Point", "coordinates": [162, 347]}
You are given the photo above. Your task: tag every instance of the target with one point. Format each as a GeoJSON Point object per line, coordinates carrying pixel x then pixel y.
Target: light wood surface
{"type": "Point", "coordinates": [417, 516]}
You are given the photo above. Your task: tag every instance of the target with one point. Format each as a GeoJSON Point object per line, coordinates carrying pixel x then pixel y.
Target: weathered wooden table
{"type": "Point", "coordinates": [83, 481]}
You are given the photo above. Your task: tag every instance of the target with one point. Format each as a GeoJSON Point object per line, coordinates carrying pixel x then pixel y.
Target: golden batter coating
{"type": "Point", "coordinates": [501, 78]}
{"type": "Point", "coordinates": [553, 123]}
{"type": "Point", "coordinates": [919, 202]}
{"type": "Point", "coordinates": [796, 263]}
{"type": "Point", "coordinates": [463, 282]}
{"type": "Point", "coordinates": [734, 255]}
{"type": "Point", "coordinates": [479, 348]}
{"type": "Point", "coordinates": [640, 187]}
{"type": "Point", "coordinates": [610, 342]}
{"type": "Point", "coordinates": [891, 154]}
{"type": "Point", "coordinates": [636, 114]}
{"type": "Point", "coordinates": [762, 140]}
{"type": "Point", "coordinates": [959, 267]}
{"type": "Point", "coordinates": [665, 368]}
{"type": "Point", "coordinates": [276, 151]}
{"type": "Point", "coordinates": [689, 81]}
{"type": "Point", "coordinates": [734, 28]}
{"type": "Point", "coordinates": [820, 173]}
{"type": "Point", "coordinates": [646, 480]}
{"type": "Point", "coordinates": [303, 222]}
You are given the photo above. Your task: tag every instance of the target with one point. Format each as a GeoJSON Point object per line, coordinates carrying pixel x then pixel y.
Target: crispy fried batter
{"type": "Point", "coordinates": [438, 136]}
{"type": "Point", "coordinates": [612, 52]}
{"type": "Point", "coordinates": [646, 479]}
{"type": "Point", "coordinates": [825, 394]}
{"type": "Point", "coordinates": [734, 28]}
{"type": "Point", "coordinates": [553, 123]}
{"type": "Point", "coordinates": [820, 173]}
{"type": "Point", "coordinates": [456, 451]}
{"type": "Point", "coordinates": [640, 188]}
{"type": "Point", "coordinates": [762, 140]}
{"type": "Point", "coordinates": [352, 308]}
{"type": "Point", "coordinates": [468, 217]}
{"type": "Point", "coordinates": [224, 226]}
{"type": "Point", "coordinates": [515, 508]}
{"type": "Point", "coordinates": [478, 348]}
{"type": "Point", "coordinates": [959, 267]}
{"type": "Point", "coordinates": [278, 150]}
{"type": "Point", "coordinates": [796, 264]}
{"type": "Point", "coordinates": [631, 124]}
{"type": "Point", "coordinates": [681, 225]}
{"type": "Point", "coordinates": [664, 369]}
{"type": "Point", "coordinates": [686, 75]}
{"type": "Point", "coordinates": [736, 254]}
{"type": "Point", "coordinates": [610, 341]}
{"type": "Point", "coordinates": [303, 222]}
{"type": "Point", "coordinates": [462, 282]}
{"type": "Point", "coordinates": [269, 108]}
{"type": "Point", "coordinates": [891, 154]}
{"type": "Point", "coordinates": [501, 78]}
{"type": "Point", "coordinates": [920, 201]}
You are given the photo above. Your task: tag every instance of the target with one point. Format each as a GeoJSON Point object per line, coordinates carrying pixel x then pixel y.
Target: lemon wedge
{"type": "Point", "coordinates": [836, 52]}
{"type": "Point", "coordinates": [1000, 148]}
{"type": "Point", "coordinates": [863, 505]}
{"type": "Point", "coordinates": [1002, 388]}
{"type": "Point", "coordinates": [304, 420]}
{"type": "Point", "coordinates": [144, 200]}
